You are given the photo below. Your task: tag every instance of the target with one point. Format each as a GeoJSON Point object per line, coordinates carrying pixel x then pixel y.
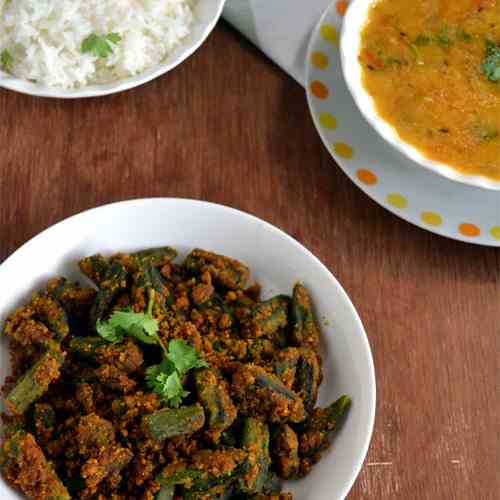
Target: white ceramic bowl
{"type": "Point", "coordinates": [206, 15]}
{"type": "Point", "coordinates": [350, 45]}
{"type": "Point", "coordinates": [277, 261]}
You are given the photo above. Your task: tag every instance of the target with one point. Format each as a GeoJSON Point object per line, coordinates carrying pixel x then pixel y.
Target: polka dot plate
{"type": "Point", "coordinates": [417, 195]}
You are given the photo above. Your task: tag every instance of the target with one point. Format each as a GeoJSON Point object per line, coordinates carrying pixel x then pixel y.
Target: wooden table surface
{"type": "Point", "coordinates": [229, 127]}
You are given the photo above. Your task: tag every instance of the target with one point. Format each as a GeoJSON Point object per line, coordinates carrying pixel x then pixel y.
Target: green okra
{"type": "Point", "coordinates": [156, 257]}
{"type": "Point", "coordinates": [267, 317]}
{"type": "Point", "coordinates": [285, 451]}
{"type": "Point", "coordinates": [222, 492]}
{"type": "Point", "coordinates": [95, 268]}
{"type": "Point", "coordinates": [215, 399]}
{"type": "Point", "coordinates": [255, 441]}
{"type": "Point", "coordinates": [44, 420]}
{"type": "Point", "coordinates": [17, 454]}
{"type": "Point", "coordinates": [202, 473]}
{"type": "Point", "coordinates": [171, 422]}
{"type": "Point", "coordinates": [314, 431]}
{"type": "Point", "coordinates": [114, 281]}
{"type": "Point", "coordinates": [165, 493]}
{"type": "Point", "coordinates": [308, 378]}
{"type": "Point", "coordinates": [50, 312]}
{"type": "Point", "coordinates": [285, 365]}
{"type": "Point", "coordinates": [86, 347]}
{"type": "Point", "coordinates": [304, 329]}
{"type": "Point", "coordinates": [35, 382]}
{"type": "Point", "coordinates": [225, 271]}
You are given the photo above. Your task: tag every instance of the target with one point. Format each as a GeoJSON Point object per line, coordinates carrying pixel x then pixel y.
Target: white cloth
{"type": "Point", "coordinates": [280, 28]}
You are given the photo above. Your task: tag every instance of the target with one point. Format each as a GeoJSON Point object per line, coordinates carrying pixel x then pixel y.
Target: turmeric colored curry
{"type": "Point", "coordinates": [433, 70]}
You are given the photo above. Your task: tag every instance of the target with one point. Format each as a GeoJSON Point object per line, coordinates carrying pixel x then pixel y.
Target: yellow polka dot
{"type": "Point", "coordinates": [431, 218]}
{"type": "Point", "coordinates": [328, 121]}
{"type": "Point", "coordinates": [319, 90]}
{"type": "Point", "coordinates": [366, 176]}
{"type": "Point", "coordinates": [495, 232]}
{"type": "Point", "coordinates": [343, 150]}
{"type": "Point", "coordinates": [329, 33]}
{"type": "Point", "coordinates": [469, 230]}
{"type": "Point", "coordinates": [397, 200]}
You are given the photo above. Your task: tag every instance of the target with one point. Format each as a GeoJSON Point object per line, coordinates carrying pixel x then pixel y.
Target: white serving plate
{"type": "Point", "coordinates": [206, 15]}
{"type": "Point", "coordinates": [277, 262]}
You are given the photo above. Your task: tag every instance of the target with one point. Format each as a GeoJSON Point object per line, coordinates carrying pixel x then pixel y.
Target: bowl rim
{"type": "Point", "coordinates": [16, 257]}
{"type": "Point", "coordinates": [9, 82]}
{"type": "Point", "coordinates": [352, 71]}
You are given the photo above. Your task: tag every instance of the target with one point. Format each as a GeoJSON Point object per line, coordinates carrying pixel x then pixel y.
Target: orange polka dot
{"type": "Point", "coordinates": [319, 60]}
{"type": "Point", "coordinates": [495, 232]}
{"type": "Point", "coordinates": [366, 177]}
{"type": "Point", "coordinates": [341, 7]}
{"type": "Point", "coordinates": [343, 150]}
{"type": "Point", "coordinates": [469, 230]}
{"type": "Point", "coordinates": [319, 90]}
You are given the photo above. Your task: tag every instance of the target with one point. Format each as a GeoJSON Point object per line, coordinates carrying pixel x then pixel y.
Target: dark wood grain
{"type": "Point", "coordinates": [229, 127]}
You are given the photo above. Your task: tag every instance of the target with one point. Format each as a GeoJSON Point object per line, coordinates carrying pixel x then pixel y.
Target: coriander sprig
{"type": "Point", "coordinates": [100, 45]}
{"type": "Point", "coordinates": [6, 59]}
{"type": "Point", "coordinates": [165, 378]}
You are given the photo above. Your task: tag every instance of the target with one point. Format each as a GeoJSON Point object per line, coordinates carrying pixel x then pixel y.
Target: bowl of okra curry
{"type": "Point", "coordinates": [426, 76]}
{"type": "Point", "coordinates": [162, 349]}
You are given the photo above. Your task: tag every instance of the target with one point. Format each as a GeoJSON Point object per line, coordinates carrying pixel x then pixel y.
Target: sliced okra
{"type": "Point", "coordinates": [215, 399]}
{"type": "Point", "coordinates": [285, 451]}
{"type": "Point", "coordinates": [304, 329]}
{"type": "Point", "coordinates": [255, 440]}
{"type": "Point", "coordinates": [225, 271]}
{"type": "Point", "coordinates": [171, 422]}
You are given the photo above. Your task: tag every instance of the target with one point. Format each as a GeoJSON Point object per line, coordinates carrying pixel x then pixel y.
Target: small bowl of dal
{"type": "Point", "coordinates": [90, 48]}
{"type": "Point", "coordinates": [426, 76]}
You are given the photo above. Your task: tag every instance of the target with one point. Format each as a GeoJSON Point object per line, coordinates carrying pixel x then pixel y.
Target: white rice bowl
{"type": "Point", "coordinates": [45, 38]}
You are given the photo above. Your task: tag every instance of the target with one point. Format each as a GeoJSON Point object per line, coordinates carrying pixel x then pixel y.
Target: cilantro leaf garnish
{"type": "Point", "coordinates": [100, 46]}
{"type": "Point", "coordinates": [491, 63]}
{"type": "Point", "coordinates": [165, 379]}
{"type": "Point", "coordinates": [6, 59]}
{"type": "Point", "coordinates": [121, 323]}
{"type": "Point", "coordinates": [184, 357]}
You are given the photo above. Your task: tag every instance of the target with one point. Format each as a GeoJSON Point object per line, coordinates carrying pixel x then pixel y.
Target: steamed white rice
{"type": "Point", "coordinates": [45, 37]}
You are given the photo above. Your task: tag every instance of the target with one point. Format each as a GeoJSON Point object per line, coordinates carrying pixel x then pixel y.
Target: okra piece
{"type": "Point", "coordinates": [20, 459]}
{"type": "Point", "coordinates": [148, 278]}
{"type": "Point", "coordinates": [76, 300]}
{"type": "Point", "coordinates": [304, 330]}
{"type": "Point", "coordinates": [86, 347]}
{"type": "Point", "coordinates": [260, 393]}
{"type": "Point", "coordinates": [314, 431]}
{"type": "Point", "coordinates": [285, 451]}
{"type": "Point", "coordinates": [285, 365]}
{"type": "Point", "coordinates": [156, 257]}
{"type": "Point", "coordinates": [214, 397]}
{"type": "Point", "coordinates": [126, 356]}
{"type": "Point", "coordinates": [206, 470]}
{"type": "Point", "coordinates": [92, 433]}
{"type": "Point", "coordinates": [222, 492]}
{"type": "Point", "coordinates": [267, 317]}
{"type": "Point", "coordinates": [308, 378]}
{"type": "Point", "coordinates": [35, 382]}
{"type": "Point", "coordinates": [110, 460]}
{"type": "Point", "coordinates": [225, 271]}
{"type": "Point", "coordinates": [165, 493]}
{"type": "Point", "coordinates": [171, 422]}
{"type": "Point", "coordinates": [255, 440]}
{"type": "Point", "coordinates": [114, 281]}
{"type": "Point", "coordinates": [44, 420]}
{"type": "Point", "coordinates": [95, 268]}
